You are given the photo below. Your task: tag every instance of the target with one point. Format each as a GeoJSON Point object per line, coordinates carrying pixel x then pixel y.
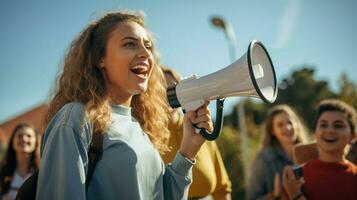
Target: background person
{"type": "Point", "coordinates": [21, 159]}
{"type": "Point", "coordinates": [210, 178]}
{"type": "Point", "coordinates": [330, 176]}
{"type": "Point", "coordinates": [352, 152]}
{"type": "Point", "coordinates": [283, 129]}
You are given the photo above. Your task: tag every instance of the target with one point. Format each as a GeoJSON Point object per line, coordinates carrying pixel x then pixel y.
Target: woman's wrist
{"type": "Point", "coordinates": [187, 153]}
{"type": "Point", "coordinates": [191, 160]}
{"type": "Point", "coordinates": [298, 196]}
{"type": "Point", "coordinates": [272, 196]}
{"type": "Point", "coordinates": [189, 150]}
{"type": "Point", "coordinates": [276, 197]}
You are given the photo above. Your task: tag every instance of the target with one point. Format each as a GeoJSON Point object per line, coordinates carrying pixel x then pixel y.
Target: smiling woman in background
{"type": "Point", "coordinates": [283, 129]}
{"type": "Point", "coordinates": [20, 160]}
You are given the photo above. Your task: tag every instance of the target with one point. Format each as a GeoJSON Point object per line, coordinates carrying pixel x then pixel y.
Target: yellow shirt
{"type": "Point", "coordinates": [209, 174]}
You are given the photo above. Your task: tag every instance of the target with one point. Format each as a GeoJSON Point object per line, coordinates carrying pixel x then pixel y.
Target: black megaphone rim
{"type": "Point", "coordinates": [250, 66]}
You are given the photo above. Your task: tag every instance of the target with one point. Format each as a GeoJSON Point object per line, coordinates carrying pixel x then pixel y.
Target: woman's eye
{"type": "Point", "coordinates": [323, 125]}
{"type": "Point", "coordinates": [280, 125]}
{"type": "Point", "coordinates": [130, 44]}
{"type": "Point", "coordinates": [148, 47]}
{"type": "Point", "coordinates": [339, 125]}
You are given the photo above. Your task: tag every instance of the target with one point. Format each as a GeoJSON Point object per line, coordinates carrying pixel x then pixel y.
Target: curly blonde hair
{"type": "Point", "coordinates": [82, 81]}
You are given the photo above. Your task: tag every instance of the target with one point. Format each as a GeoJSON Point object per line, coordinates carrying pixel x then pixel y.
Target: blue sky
{"type": "Point", "coordinates": [35, 34]}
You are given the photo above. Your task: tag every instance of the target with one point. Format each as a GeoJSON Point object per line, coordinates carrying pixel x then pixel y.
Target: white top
{"type": "Point", "coordinates": [16, 183]}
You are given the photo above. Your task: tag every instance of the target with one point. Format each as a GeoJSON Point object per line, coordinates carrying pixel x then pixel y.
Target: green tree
{"type": "Point", "coordinates": [302, 91]}
{"type": "Point", "coordinates": [347, 91]}
{"type": "Point", "coordinates": [252, 108]}
{"type": "Point", "coordinates": [229, 145]}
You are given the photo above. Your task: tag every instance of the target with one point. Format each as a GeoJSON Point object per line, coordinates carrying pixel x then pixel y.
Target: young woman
{"type": "Point", "coordinates": [330, 176]}
{"type": "Point", "coordinates": [112, 84]}
{"type": "Point", "coordinates": [283, 129]}
{"type": "Point", "coordinates": [21, 159]}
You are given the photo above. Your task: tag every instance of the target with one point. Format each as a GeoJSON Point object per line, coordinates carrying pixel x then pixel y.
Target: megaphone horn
{"type": "Point", "coordinates": [252, 75]}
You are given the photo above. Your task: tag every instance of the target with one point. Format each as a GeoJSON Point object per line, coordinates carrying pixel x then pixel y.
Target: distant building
{"type": "Point", "coordinates": [34, 117]}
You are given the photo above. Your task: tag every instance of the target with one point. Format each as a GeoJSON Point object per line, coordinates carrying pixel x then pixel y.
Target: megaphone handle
{"type": "Point", "coordinates": [218, 125]}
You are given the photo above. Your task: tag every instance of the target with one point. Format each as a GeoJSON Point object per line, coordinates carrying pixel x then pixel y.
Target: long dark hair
{"type": "Point", "coordinates": [9, 162]}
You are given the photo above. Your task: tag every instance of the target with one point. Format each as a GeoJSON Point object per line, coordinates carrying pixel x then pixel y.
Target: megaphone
{"type": "Point", "coordinates": [252, 75]}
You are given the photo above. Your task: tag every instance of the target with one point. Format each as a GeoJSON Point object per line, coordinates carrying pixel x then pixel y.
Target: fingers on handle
{"type": "Point", "coordinates": [205, 125]}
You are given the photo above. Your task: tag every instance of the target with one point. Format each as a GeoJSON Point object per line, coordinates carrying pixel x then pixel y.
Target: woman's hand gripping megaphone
{"type": "Point", "coordinates": [198, 119]}
{"type": "Point", "coordinates": [209, 134]}
{"type": "Point", "coordinates": [201, 118]}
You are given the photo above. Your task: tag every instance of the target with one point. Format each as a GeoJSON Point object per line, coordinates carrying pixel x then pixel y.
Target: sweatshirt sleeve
{"type": "Point", "coordinates": [177, 178]}
{"type": "Point", "coordinates": [64, 161]}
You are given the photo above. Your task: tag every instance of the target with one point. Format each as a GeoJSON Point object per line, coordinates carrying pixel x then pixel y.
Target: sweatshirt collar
{"type": "Point", "coordinates": [121, 110]}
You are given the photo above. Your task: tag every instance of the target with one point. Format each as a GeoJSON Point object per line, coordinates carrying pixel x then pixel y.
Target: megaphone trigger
{"type": "Point", "coordinates": [218, 124]}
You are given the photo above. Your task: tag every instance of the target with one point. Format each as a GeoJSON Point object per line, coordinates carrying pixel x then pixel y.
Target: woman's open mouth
{"type": "Point", "coordinates": [330, 139]}
{"type": "Point", "coordinates": [141, 71]}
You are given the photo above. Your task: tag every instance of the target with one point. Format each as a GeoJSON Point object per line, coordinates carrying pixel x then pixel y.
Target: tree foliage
{"type": "Point", "coordinates": [348, 91]}
{"type": "Point", "coordinates": [302, 92]}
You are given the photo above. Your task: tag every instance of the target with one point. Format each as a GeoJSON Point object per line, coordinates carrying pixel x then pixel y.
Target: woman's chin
{"type": "Point", "coordinates": [24, 151]}
{"type": "Point", "coordinates": [139, 90]}
{"type": "Point", "coordinates": [289, 140]}
{"type": "Point", "coordinates": [332, 147]}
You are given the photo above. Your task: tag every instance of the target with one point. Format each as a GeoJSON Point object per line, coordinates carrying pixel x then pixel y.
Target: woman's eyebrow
{"type": "Point", "coordinates": [322, 121]}
{"type": "Point", "coordinates": [129, 37]}
{"type": "Point", "coordinates": [339, 121]}
{"type": "Point", "coordinates": [135, 38]}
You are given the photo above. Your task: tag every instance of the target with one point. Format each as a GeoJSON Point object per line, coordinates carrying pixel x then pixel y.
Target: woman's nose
{"type": "Point", "coordinates": [330, 129]}
{"type": "Point", "coordinates": [288, 127]}
{"type": "Point", "coordinates": [25, 138]}
{"type": "Point", "coordinates": [144, 52]}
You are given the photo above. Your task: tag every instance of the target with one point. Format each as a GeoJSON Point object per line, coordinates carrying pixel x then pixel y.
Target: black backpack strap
{"type": "Point", "coordinates": [95, 152]}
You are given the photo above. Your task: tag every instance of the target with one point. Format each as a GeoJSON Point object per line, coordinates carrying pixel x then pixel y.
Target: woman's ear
{"type": "Point", "coordinates": [101, 64]}
{"type": "Point", "coordinates": [353, 138]}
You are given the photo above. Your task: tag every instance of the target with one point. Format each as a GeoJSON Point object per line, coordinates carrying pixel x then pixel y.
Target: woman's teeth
{"type": "Point", "coordinates": [139, 70]}
{"type": "Point", "coordinates": [329, 139]}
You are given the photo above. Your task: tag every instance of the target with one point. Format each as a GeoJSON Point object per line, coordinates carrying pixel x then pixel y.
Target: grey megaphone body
{"type": "Point", "coordinates": [252, 75]}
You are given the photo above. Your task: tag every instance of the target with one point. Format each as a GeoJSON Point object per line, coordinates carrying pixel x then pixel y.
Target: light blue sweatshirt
{"type": "Point", "coordinates": [130, 167]}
